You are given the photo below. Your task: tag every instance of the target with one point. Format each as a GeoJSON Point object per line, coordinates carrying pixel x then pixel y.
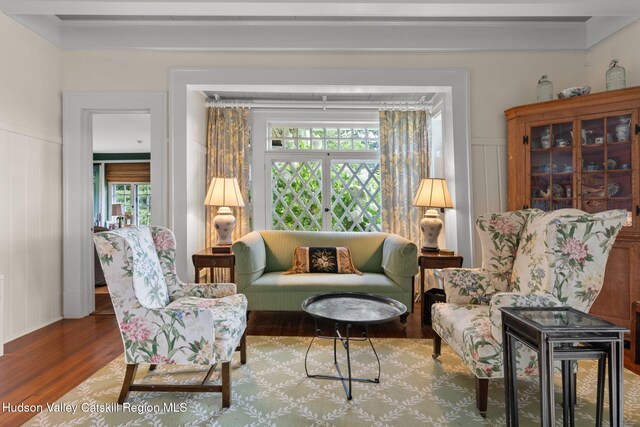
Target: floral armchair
{"type": "Point", "coordinates": [530, 258]}
{"type": "Point", "coordinates": [165, 321]}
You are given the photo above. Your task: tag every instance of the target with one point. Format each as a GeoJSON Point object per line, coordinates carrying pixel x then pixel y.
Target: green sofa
{"type": "Point", "coordinates": [389, 263]}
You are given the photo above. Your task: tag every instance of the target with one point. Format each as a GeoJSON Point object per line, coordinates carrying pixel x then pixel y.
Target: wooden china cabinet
{"type": "Point", "coordinates": [583, 153]}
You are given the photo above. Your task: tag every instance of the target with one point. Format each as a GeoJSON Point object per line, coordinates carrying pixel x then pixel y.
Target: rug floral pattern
{"type": "Point", "coordinates": [272, 390]}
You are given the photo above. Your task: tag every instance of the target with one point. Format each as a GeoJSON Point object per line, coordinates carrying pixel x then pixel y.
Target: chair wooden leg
{"type": "Point", "coordinates": [226, 384]}
{"type": "Point", "coordinates": [482, 395]}
{"type": "Point", "coordinates": [129, 375]}
{"type": "Point", "coordinates": [152, 367]}
{"type": "Point", "coordinates": [437, 346]}
{"type": "Point", "coordinates": [243, 348]}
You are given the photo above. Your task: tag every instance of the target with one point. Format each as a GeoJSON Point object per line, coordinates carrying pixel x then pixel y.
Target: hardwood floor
{"type": "Point", "coordinates": [44, 365]}
{"type": "Point", "coordinates": [41, 367]}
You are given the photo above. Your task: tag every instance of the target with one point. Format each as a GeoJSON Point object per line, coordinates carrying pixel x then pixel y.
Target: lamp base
{"type": "Point", "coordinates": [425, 249]}
{"type": "Point", "coordinates": [430, 225]}
{"type": "Point", "coordinates": [224, 224]}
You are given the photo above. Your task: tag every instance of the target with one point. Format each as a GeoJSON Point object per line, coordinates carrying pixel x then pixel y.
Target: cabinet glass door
{"type": "Point", "coordinates": [607, 164]}
{"type": "Point", "coordinates": [551, 166]}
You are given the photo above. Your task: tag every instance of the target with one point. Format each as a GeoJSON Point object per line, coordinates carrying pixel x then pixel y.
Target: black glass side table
{"type": "Point", "coordinates": [562, 334]}
{"type": "Point", "coordinates": [348, 309]}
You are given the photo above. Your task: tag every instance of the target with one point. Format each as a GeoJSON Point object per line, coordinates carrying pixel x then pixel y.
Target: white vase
{"type": "Point", "coordinates": [623, 132]}
{"type": "Point", "coordinates": [224, 223]}
{"type": "Point", "coordinates": [430, 225]}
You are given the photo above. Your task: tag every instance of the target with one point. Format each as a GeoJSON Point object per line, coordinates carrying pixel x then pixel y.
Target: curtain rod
{"type": "Point", "coordinates": [400, 106]}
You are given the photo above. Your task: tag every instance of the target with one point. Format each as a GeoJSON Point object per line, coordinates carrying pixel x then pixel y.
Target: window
{"type": "Point", "coordinates": [136, 200]}
{"type": "Point", "coordinates": [325, 176]}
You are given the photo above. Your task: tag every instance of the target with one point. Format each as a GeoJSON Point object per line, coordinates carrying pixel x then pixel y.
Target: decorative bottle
{"type": "Point", "coordinates": [616, 78]}
{"type": "Point", "coordinates": [545, 89]}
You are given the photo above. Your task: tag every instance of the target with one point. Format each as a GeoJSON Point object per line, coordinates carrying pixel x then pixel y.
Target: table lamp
{"type": "Point", "coordinates": [432, 193]}
{"type": "Point", "coordinates": [224, 193]}
{"type": "Point", "coordinates": [117, 210]}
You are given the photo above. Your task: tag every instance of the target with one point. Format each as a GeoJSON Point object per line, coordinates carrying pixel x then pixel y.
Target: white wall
{"type": "Point", "coordinates": [30, 180]}
{"type": "Point", "coordinates": [197, 176]}
{"type": "Point", "coordinates": [498, 81]}
{"type": "Point", "coordinates": [623, 46]}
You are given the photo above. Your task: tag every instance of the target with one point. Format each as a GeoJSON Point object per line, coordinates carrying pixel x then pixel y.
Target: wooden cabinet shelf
{"type": "Point", "coordinates": [598, 134]}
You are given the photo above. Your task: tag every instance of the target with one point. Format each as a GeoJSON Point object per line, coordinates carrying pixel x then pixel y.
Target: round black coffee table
{"type": "Point", "coordinates": [349, 308]}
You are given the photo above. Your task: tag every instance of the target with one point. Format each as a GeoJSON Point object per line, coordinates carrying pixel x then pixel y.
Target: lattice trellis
{"type": "Point", "coordinates": [355, 196]}
{"type": "Point", "coordinates": [297, 195]}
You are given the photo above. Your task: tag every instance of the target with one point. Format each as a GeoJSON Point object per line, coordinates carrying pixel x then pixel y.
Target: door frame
{"type": "Point", "coordinates": [77, 197]}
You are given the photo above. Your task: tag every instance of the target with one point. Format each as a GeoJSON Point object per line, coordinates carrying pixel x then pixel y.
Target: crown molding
{"type": "Point", "coordinates": [326, 8]}
{"type": "Point", "coordinates": [450, 36]}
{"type": "Point", "coordinates": [384, 30]}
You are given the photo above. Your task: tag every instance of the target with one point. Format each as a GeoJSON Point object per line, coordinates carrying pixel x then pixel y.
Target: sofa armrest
{"type": "Point", "coordinates": [399, 256]}
{"type": "Point", "coordinates": [204, 290]}
{"type": "Point", "coordinates": [251, 259]}
{"type": "Point", "coordinates": [511, 299]}
{"type": "Point", "coordinates": [466, 285]}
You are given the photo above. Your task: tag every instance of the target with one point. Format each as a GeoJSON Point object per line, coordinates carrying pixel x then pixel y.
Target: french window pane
{"type": "Point", "coordinates": [297, 198]}
{"type": "Point", "coordinates": [332, 133]}
{"type": "Point", "coordinates": [304, 133]}
{"type": "Point", "coordinates": [355, 196]}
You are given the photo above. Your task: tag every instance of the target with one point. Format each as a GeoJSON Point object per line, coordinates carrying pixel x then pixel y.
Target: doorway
{"type": "Point", "coordinates": [121, 181]}
{"type": "Point", "coordinates": [82, 112]}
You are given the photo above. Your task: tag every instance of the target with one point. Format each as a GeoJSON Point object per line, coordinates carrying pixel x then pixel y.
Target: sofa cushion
{"type": "Point", "coordinates": [468, 332]}
{"type": "Point", "coordinates": [467, 329]}
{"type": "Point", "coordinates": [321, 283]}
{"type": "Point", "coordinates": [366, 248]}
{"type": "Point", "coordinates": [229, 320]}
{"type": "Point", "coordinates": [336, 260]}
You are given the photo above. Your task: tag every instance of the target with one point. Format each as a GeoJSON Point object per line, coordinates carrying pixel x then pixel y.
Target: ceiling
{"type": "Point", "coordinates": [122, 133]}
{"type": "Point", "coordinates": [333, 25]}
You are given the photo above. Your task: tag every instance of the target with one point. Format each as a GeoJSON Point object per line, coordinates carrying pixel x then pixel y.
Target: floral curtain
{"type": "Point", "coordinates": [404, 161]}
{"type": "Point", "coordinates": [229, 156]}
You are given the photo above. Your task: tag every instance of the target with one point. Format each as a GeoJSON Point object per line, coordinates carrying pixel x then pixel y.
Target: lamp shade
{"type": "Point", "coordinates": [433, 193]}
{"type": "Point", "coordinates": [224, 192]}
{"type": "Point", "coordinates": [116, 209]}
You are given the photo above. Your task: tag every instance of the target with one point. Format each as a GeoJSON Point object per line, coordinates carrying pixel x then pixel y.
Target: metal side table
{"type": "Point", "coordinates": [348, 309]}
{"type": "Point", "coordinates": [562, 334]}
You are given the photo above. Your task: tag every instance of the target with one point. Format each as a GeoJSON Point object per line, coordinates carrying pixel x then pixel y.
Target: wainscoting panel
{"type": "Point", "coordinates": [196, 176]}
{"type": "Point", "coordinates": [30, 232]}
{"type": "Point", "coordinates": [197, 161]}
{"type": "Point", "coordinates": [489, 162]}
{"type": "Point", "coordinates": [3, 310]}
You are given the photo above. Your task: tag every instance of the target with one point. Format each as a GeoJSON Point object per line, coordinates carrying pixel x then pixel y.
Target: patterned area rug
{"type": "Point", "coordinates": [272, 390]}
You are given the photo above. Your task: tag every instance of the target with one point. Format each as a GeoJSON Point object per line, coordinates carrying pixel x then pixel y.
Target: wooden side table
{"type": "Point", "coordinates": [433, 260]}
{"type": "Point", "coordinates": [210, 260]}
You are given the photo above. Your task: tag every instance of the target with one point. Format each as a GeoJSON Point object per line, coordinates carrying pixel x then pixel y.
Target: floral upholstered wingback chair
{"type": "Point", "coordinates": [530, 258]}
{"type": "Point", "coordinates": [165, 321]}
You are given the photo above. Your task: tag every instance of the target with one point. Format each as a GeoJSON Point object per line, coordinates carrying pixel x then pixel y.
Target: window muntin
{"type": "Point", "coordinates": [324, 138]}
{"type": "Point", "coordinates": [325, 177]}
{"type": "Point", "coordinates": [297, 195]}
{"type": "Point", "coordinates": [355, 196]}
